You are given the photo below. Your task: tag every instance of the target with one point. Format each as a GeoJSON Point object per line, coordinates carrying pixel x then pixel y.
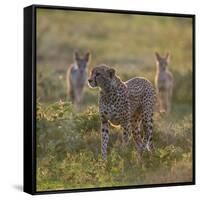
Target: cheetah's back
{"type": "Point", "coordinates": [141, 92]}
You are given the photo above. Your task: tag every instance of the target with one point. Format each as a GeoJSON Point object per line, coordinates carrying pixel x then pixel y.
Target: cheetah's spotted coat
{"type": "Point", "coordinates": [128, 104]}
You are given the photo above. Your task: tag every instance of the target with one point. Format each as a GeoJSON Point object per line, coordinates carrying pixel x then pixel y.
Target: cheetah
{"type": "Point", "coordinates": [163, 83]}
{"type": "Point", "coordinates": [77, 77]}
{"type": "Point", "coordinates": [129, 104]}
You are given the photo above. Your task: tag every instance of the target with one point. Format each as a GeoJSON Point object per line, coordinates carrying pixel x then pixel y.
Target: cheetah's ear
{"type": "Point", "coordinates": [111, 72]}
{"type": "Point", "coordinates": [158, 57]}
{"type": "Point", "coordinates": [167, 57]}
{"type": "Point", "coordinates": [87, 56]}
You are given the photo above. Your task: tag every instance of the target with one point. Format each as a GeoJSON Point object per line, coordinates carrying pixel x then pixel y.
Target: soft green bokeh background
{"type": "Point", "coordinates": [68, 143]}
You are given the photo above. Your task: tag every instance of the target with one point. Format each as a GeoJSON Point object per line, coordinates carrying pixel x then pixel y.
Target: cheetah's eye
{"type": "Point", "coordinates": [97, 74]}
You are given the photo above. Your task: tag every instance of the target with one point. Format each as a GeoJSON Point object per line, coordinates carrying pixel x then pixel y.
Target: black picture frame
{"type": "Point", "coordinates": [30, 97]}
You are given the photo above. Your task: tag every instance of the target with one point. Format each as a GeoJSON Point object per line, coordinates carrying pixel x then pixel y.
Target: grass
{"type": "Point", "coordinates": [68, 143]}
{"type": "Point", "coordinates": [68, 151]}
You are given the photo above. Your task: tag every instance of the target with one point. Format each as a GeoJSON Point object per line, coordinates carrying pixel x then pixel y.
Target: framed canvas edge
{"type": "Point", "coordinates": [30, 99]}
{"type": "Point", "coordinates": [29, 164]}
{"type": "Point", "coordinates": [106, 10]}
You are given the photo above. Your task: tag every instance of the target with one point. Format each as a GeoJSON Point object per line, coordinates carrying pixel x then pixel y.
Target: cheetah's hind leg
{"type": "Point", "coordinates": [147, 122]}
{"type": "Point", "coordinates": [136, 130]}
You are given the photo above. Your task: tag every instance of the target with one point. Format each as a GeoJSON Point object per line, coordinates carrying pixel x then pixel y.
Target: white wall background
{"type": "Point", "coordinates": [11, 98]}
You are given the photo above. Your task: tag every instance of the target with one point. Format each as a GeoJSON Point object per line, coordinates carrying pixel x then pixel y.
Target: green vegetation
{"type": "Point", "coordinates": [68, 143]}
{"type": "Point", "coordinates": [68, 151]}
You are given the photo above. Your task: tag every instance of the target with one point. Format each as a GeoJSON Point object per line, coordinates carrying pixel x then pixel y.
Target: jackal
{"type": "Point", "coordinates": [163, 82]}
{"type": "Point", "coordinates": [76, 78]}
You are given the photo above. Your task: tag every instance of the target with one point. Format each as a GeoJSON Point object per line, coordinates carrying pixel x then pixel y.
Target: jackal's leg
{"type": "Point", "coordinates": [163, 99]}
{"type": "Point", "coordinates": [71, 95]}
{"type": "Point", "coordinates": [77, 102]}
{"type": "Point", "coordinates": [169, 100]}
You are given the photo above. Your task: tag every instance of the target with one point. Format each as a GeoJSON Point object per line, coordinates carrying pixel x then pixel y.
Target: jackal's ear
{"type": "Point", "coordinates": [87, 56]}
{"type": "Point", "coordinates": [167, 57]}
{"type": "Point", "coordinates": [157, 55]}
{"type": "Point", "coordinates": [111, 72]}
{"type": "Point", "coordinates": [76, 55]}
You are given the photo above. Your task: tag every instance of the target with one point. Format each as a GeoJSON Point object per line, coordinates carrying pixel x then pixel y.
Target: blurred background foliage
{"type": "Point", "coordinates": [68, 143]}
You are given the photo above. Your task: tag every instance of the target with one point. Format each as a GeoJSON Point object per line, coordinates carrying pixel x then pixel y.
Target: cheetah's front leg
{"type": "Point", "coordinates": [126, 132]}
{"type": "Point", "coordinates": [104, 139]}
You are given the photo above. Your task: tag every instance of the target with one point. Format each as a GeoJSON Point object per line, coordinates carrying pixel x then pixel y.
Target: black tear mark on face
{"type": "Point", "coordinates": [111, 72]}
{"type": "Point", "coordinates": [95, 81]}
{"type": "Point", "coordinates": [97, 74]}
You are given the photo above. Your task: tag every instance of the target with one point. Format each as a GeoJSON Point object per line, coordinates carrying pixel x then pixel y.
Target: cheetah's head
{"type": "Point", "coordinates": [101, 76]}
